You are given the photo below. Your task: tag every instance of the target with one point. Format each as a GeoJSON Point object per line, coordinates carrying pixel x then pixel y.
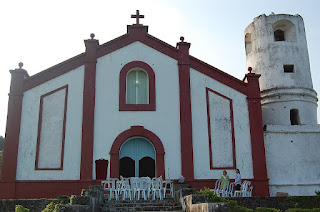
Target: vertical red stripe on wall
{"type": "Point", "coordinates": [185, 111]}
{"type": "Point", "coordinates": [11, 144]}
{"type": "Point", "coordinates": [88, 109]}
{"type": "Point", "coordinates": [260, 182]}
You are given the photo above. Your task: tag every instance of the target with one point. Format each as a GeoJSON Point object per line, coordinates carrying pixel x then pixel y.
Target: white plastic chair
{"type": "Point", "coordinates": [123, 188]}
{"type": "Point", "coordinates": [224, 189]}
{"type": "Point", "coordinates": [229, 192]}
{"type": "Point", "coordinates": [168, 185]}
{"type": "Point", "coordinates": [217, 187]}
{"type": "Point", "coordinates": [110, 186]}
{"type": "Point", "coordinates": [146, 187]}
{"type": "Point", "coordinates": [243, 190]}
{"type": "Point", "coordinates": [156, 188]}
{"type": "Point", "coordinates": [250, 191]}
{"type": "Point", "coordinates": [136, 187]}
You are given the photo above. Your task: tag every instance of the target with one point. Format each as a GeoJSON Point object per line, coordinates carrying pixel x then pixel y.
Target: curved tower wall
{"type": "Point", "coordinates": [276, 48]}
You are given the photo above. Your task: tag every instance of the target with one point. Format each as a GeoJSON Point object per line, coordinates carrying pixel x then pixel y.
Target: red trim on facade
{"type": "Point", "coordinates": [11, 144]}
{"type": "Point", "coordinates": [209, 129]}
{"type": "Point", "coordinates": [218, 75]}
{"type": "Point", "coordinates": [123, 106]}
{"type": "Point", "coordinates": [54, 71]}
{"type": "Point", "coordinates": [185, 111]}
{"type": "Point", "coordinates": [63, 129]}
{"type": "Point", "coordinates": [260, 184]}
{"type": "Point", "coordinates": [89, 92]}
{"type": "Point", "coordinates": [46, 188]}
{"type": "Point", "coordinates": [134, 33]}
{"type": "Point", "coordinates": [54, 188]}
{"type": "Point", "coordinates": [132, 132]}
{"type": "Point", "coordinates": [137, 33]}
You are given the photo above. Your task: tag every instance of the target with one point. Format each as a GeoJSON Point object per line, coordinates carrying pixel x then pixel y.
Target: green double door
{"type": "Point", "coordinates": [137, 158]}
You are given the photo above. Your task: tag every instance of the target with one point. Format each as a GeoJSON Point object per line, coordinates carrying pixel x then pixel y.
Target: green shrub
{"type": "Point", "coordinates": [20, 208]}
{"type": "Point", "coordinates": [317, 193]}
{"type": "Point", "coordinates": [234, 207]}
{"type": "Point", "coordinates": [72, 202]}
{"type": "Point", "coordinates": [63, 200]}
{"type": "Point", "coordinates": [261, 209]}
{"type": "Point", "coordinates": [50, 207]}
{"type": "Point", "coordinates": [211, 196]}
{"type": "Point", "coordinates": [307, 202]}
{"type": "Point", "coordinates": [303, 210]}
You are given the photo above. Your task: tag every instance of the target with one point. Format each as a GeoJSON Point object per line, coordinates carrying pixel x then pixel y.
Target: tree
{"type": "Point", "coordinates": [1, 143]}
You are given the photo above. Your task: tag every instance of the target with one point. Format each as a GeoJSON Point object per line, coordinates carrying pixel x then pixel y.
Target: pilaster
{"type": "Point", "coordinates": [11, 144]}
{"type": "Point", "coordinates": [185, 110]}
{"type": "Point", "coordinates": [88, 108]}
{"type": "Point", "coordinates": [260, 181]}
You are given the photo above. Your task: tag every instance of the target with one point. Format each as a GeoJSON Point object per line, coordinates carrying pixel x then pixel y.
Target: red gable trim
{"type": "Point", "coordinates": [218, 75]}
{"type": "Point", "coordinates": [135, 33]}
{"type": "Point", "coordinates": [54, 72]}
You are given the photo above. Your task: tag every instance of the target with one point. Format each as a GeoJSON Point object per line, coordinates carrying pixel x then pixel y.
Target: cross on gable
{"type": "Point", "coordinates": [137, 16]}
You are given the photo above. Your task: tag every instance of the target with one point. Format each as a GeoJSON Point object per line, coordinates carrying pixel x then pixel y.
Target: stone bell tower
{"type": "Point", "coordinates": [276, 48]}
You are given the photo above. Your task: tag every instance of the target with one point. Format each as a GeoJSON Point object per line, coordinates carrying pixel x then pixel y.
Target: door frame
{"type": "Point", "coordinates": [137, 131]}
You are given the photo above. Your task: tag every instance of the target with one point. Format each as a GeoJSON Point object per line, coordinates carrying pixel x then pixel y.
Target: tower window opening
{"type": "Point", "coordinates": [279, 35]}
{"type": "Point", "coordinates": [284, 30]}
{"type": "Point", "coordinates": [288, 68]}
{"type": "Point", "coordinates": [294, 117]}
{"type": "Point", "coordinates": [248, 43]}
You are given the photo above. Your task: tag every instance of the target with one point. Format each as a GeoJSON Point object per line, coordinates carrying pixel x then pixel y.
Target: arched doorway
{"type": "Point", "coordinates": [136, 131]}
{"type": "Point", "coordinates": [137, 158]}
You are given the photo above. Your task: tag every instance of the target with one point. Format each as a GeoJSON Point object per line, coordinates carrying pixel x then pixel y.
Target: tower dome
{"type": "Point", "coordinates": [276, 48]}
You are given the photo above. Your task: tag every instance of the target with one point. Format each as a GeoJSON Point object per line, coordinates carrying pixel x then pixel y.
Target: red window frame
{"type": "Point", "coordinates": [123, 106]}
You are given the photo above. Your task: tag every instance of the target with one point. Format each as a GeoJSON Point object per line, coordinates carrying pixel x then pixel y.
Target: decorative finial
{"type": "Point", "coordinates": [92, 35]}
{"type": "Point", "coordinates": [20, 65]}
{"type": "Point", "coordinates": [250, 69]}
{"type": "Point", "coordinates": [182, 39]}
{"type": "Point", "coordinates": [137, 16]}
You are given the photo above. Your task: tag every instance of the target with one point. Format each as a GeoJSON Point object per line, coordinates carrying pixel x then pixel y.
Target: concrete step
{"type": "Point", "coordinates": [141, 205]}
{"type": "Point", "coordinates": [129, 209]}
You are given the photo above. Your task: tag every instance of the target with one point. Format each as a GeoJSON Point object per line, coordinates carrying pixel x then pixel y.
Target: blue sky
{"type": "Point", "coordinates": [43, 33]}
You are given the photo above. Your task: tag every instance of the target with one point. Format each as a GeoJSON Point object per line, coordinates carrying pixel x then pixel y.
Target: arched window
{"type": "Point", "coordinates": [137, 87]}
{"type": "Point", "coordinates": [294, 117]}
{"type": "Point", "coordinates": [284, 30]}
{"type": "Point", "coordinates": [248, 43]}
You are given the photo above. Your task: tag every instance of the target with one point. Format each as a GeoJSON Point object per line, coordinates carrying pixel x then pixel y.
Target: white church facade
{"type": "Point", "coordinates": [137, 106]}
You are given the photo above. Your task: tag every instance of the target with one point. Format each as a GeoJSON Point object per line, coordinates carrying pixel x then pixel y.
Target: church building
{"type": "Point", "coordinates": [137, 106]}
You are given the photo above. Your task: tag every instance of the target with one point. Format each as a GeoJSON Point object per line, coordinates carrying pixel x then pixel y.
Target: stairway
{"type": "Point", "coordinates": [140, 205]}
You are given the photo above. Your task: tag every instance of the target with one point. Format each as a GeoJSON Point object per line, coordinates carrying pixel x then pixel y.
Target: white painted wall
{"type": "Point", "coordinates": [201, 157]}
{"type": "Point", "coordinates": [292, 156]}
{"type": "Point", "coordinates": [164, 122]}
{"type": "Point", "coordinates": [29, 128]}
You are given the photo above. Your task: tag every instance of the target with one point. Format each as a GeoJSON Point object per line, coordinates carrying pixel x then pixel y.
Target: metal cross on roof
{"type": "Point", "coordinates": [137, 16]}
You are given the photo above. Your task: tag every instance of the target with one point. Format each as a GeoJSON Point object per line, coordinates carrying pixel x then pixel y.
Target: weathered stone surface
{"type": "Point", "coordinates": [80, 200]}
{"type": "Point", "coordinates": [218, 207]}
{"type": "Point", "coordinates": [73, 208]}
{"type": "Point", "coordinates": [34, 205]}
